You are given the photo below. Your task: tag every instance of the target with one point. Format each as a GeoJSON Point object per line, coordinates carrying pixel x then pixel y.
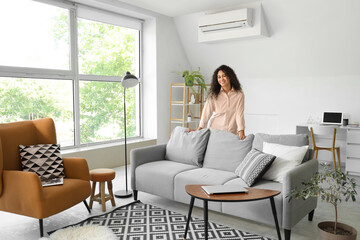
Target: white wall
{"type": "Point", "coordinates": [111, 156]}
{"type": "Point", "coordinates": [309, 64]}
{"type": "Point", "coordinates": [170, 57]}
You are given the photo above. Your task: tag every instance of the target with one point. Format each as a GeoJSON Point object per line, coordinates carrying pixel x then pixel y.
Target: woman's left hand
{"type": "Point", "coordinates": [242, 134]}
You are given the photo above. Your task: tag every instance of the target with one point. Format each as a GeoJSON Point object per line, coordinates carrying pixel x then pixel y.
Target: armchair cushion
{"type": "Point", "coordinates": [43, 159]}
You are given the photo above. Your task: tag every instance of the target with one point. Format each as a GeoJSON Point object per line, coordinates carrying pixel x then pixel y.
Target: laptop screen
{"type": "Point", "coordinates": [332, 118]}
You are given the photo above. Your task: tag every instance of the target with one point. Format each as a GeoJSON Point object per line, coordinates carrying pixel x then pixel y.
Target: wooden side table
{"type": "Point", "coordinates": [254, 194]}
{"type": "Point", "coordinates": [102, 175]}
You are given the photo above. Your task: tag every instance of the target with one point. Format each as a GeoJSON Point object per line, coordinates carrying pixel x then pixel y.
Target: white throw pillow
{"type": "Point", "coordinates": [287, 158]}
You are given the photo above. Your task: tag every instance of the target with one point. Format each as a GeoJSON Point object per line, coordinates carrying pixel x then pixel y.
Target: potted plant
{"type": "Point", "coordinates": [193, 77]}
{"type": "Point", "coordinates": [332, 186]}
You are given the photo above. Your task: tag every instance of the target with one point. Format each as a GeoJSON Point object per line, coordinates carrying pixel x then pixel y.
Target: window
{"type": "Point", "coordinates": [29, 33]}
{"type": "Point", "coordinates": [42, 74]}
{"type": "Point", "coordinates": [28, 99]}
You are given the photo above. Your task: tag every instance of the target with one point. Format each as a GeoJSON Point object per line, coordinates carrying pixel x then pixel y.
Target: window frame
{"type": "Point", "coordinates": [74, 75]}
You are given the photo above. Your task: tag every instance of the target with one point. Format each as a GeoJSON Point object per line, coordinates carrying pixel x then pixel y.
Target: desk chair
{"type": "Point", "coordinates": [325, 131]}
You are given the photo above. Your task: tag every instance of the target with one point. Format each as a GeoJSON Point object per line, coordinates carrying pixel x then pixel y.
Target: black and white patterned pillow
{"type": "Point", "coordinates": [254, 165]}
{"type": "Point", "coordinates": [43, 159]}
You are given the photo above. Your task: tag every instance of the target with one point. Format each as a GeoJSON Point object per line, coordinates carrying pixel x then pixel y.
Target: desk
{"type": "Point", "coordinates": [348, 138]}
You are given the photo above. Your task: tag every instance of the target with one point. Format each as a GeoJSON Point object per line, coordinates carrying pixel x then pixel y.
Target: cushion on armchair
{"type": "Point", "coordinates": [225, 150]}
{"type": "Point", "coordinates": [43, 159]}
{"type": "Point", "coordinates": [187, 147]}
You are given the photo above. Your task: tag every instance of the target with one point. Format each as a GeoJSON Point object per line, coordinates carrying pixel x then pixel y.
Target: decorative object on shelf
{"type": "Point", "coordinates": [128, 81]}
{"type": "Point", "coordinates": [196, 97]}
{"type": "Point", "coordinates": [192, 99]}
{"type": "Point", "coordinates": [332, 186]}
{"type": "Point", "coordinates": [189, 117]}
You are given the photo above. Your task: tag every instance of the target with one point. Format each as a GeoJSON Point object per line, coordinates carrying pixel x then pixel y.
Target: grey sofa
{"type": "Point", "coordinates": [153, 173]}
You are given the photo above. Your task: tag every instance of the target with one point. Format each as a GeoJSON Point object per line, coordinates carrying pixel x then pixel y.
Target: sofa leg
{"type": "Point", "coordinates": [87, 206]}
{"type": "Point", "coordinates": [311, 215]}
{"type": "Point", "coordinates": [41, 228]}
{"type": "Point", "coordinates": [287, 233]}
{"type": "Point", "coordinates": [135, 192]}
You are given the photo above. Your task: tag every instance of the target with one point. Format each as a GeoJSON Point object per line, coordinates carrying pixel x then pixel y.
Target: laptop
{"type": "Point", "coordinates": [223, 189]}
{"type": "Point", "coordinates": [332, 118]}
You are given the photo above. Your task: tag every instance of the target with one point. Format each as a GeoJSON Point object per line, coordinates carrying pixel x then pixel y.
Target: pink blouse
{"type": "Point", "coordinates": [226, 112]}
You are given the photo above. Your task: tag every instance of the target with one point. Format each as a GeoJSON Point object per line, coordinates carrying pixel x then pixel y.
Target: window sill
{"type": "Point", "coordinates": [105, 145]}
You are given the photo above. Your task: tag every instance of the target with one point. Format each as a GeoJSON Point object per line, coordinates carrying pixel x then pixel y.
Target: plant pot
{"type": "Point", "coordinates": [325, 235]}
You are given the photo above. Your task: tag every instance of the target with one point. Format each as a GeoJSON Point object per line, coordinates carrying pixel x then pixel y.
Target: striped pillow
{"type": "Point", "coordinates": [255, 164]}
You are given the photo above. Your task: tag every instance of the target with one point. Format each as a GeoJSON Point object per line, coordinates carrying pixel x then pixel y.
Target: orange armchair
{"type": "Point", "coordinates": [22, 192]}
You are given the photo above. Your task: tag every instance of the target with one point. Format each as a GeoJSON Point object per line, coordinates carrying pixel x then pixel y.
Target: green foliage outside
{"type": "Point", "coordinates": [27, 99]}
{"type": "Point", "coordinates": [103, 50]}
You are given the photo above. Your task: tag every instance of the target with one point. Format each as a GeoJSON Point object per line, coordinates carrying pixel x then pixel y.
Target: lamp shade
{"type": "Point", "coordinates": [129, 80]}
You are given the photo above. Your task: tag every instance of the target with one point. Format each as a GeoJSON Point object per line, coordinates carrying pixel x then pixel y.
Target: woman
{"type": "Point", "coordinates": [225, 104]}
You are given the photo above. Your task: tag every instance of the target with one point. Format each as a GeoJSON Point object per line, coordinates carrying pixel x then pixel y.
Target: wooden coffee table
{"type": "Point", "coordinates": [254, 194]}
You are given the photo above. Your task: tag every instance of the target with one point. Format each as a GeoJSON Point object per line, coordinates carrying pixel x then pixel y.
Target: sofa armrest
{"type": "Point", "coordinates": [144, 155]}
{"type": "Point", "coordinates": [75, 167]}
{"type": "Point", "coordinates": [296, 209]}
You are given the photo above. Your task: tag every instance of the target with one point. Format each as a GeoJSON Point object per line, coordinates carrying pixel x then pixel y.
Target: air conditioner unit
{"type": "Point", "coordinates": [235, 19]}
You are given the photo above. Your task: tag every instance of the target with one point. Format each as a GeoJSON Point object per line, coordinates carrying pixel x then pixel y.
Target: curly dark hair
{"type": "Point", "coordinates": [216, 87]}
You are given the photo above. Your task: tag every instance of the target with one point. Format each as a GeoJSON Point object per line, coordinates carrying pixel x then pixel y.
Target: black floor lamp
{"type": "Point", "coordinates": [128, 81]}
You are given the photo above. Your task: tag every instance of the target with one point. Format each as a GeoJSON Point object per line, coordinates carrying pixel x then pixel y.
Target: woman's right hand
{"type": "Point", "coordinates": [191, 130]}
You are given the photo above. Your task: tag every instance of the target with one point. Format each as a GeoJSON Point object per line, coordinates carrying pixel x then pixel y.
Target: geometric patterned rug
{"type": "Point", "coordinates": [139, 221]}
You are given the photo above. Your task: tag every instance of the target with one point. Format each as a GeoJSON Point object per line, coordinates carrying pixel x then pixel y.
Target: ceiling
{"type": "Point", "coordinates": [175, 8]}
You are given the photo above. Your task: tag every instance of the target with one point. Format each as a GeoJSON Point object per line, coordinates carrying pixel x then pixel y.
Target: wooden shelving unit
{"type": "Point", "coordinates": [179, 108]}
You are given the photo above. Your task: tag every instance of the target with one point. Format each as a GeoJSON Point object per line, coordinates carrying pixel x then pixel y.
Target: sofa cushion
{"type": "Point", "coordinates": [287, 158]}
{"type": "Point", "coordinates": [225, 151]}
{"type": "Point", "coordinates": [284, 139]}
{"type": "Point", "coordinates": [255, 164]}
{"type": "Point", "coordinates": [203, 176]}
{"type": "Point", "coordinates": [187, 147]}
{"type": "Point", "coordinates": [158, 177]}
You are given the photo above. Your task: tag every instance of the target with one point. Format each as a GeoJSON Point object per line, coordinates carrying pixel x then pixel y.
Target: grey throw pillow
{"type": "Point", "coordinates": [225, 151]}
{"type": "Point", "coordinates": [188, 148]}
{"type": "Point", "coordinates": [255, 164]}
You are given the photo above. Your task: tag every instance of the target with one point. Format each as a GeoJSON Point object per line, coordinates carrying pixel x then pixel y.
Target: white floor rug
{"type": "Point", "coordinates": [87, 232]}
